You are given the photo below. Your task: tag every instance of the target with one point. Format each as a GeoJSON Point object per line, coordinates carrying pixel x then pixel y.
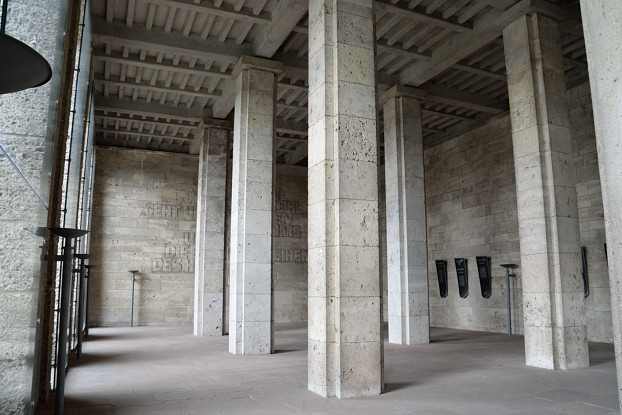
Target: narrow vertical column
{"type": "Point", "coordinates": [345, 342]}
{"type": "Point", "coordinates": [210, 234]}
{"type": "Point", "coordinates": [602, 25]}
{"type": "Point", "coordinates": [409, 321]}
{"type": "Point", "coordinates": [554, 324]}
{"type": "Point", "coordinates": [250, 315]}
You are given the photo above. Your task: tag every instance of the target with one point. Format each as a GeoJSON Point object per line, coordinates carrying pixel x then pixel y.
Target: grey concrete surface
{"type": "Point", "coordinates": [250, 247]}
{"type": "Point", "coordinates": [343, 249]}
{"type": "Point", "coordinates": [407, 275]}
{"type": "Point", "coordinates": [209, 272]}
{"type": "Point", "coordinates": [156, 370]}
{"type": "Point", "coordinates": [602, 22]}
{"type": "Point", "coordinates": [553, 300]}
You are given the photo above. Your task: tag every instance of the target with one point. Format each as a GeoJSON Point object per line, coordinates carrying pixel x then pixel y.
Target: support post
{"type": "Point", "coordinates": [133, 282]}
{"type": "Point", "coordinates": [250, 315]}
{"type": "Point", "coordinates": [554, 323]}
{"type": "Point", "coordinates": [209, 270]}
{"type": "Point", "coordinates": [63, 315]}
{"type": "Point", "coordinates": [345, 340]}
{"type": "Point", "coordinates": [81, 300]}
{"type": "Point", "coordinates": [602, 26]}
{"type": "Point", "coordinates": [407, 263]}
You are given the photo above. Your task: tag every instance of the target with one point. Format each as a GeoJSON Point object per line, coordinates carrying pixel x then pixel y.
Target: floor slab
{"type": "Point", "coordinates": [164, 370]}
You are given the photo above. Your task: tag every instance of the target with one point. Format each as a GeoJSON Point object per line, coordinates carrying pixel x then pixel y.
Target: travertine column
{"type": "Point", "coordinates": [250, 312]}
{"type": "Point", "coordinates": [210, 234]}
{"type": "Point", "coordinates": [409, 321]}
{"type": "Point", "coordinates": [555, 331]}
{"type": "Point", "coordinates": [345, 343]}
{"type": "Point", "coordinates": [602, 25]}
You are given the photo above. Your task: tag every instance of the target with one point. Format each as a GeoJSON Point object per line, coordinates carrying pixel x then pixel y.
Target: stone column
{"type": "Point", "coordinates": [345, 342]}
{"type": "Point", "coordinates": [210, 234]}
{"type": "Point", "coordinates": [554, 323]}
{"type": "Point", "coordinates": [250, 315]}
{"type": "Point", "coordinates": [602, 25]}
{"type": "Point", "coordinates": [409, 320]}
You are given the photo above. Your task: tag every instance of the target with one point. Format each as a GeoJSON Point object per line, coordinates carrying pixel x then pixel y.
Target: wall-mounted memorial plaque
{"type": "Point", "coordinates": [485, 278]}
{"type": "Point", "coordinates": [584, 272]}
{"type": "Point", "coordinates": [462, 271]}
{"type": "Point", "coordinates": [441, 273]}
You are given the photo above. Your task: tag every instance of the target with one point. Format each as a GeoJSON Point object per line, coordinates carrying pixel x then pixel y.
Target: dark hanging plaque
{"type": "Point", "coordinates": [441, 272]}
{"type": "Point", "coordinates": [584, 272]}
{"type": "Point", "coordinates": [462, 271]}
{"type": "Point", "coordinates": [485, 281]}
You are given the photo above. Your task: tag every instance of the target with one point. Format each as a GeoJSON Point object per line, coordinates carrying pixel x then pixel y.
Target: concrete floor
{"type": "Point", "coordinates": [150, 370]}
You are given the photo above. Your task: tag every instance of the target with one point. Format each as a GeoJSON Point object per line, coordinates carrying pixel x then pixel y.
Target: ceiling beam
{"type": "Point", "coordinates": [201, 93]}
{"type": "Point", "coordinates": [441, 95]}
{"type": "Point", "coordinates": [159, 41]}
{"type": "Point", "coordinates": [224, 10]}
{"type": "Point", "coordinates": [134, 118]}
{"type": "Point", "coordinates": [133, 133]}
{"type": "Point", "coordinates": [153, 109]}
{"type": "Point", "coordinates": [285, 17]}
{"type": "Point", "coordinates": [383, 47]}
{"type": "Point", "coordinates": [384, 6]}
{"type": "Point", "coordinates": [151, 63]}
{"type": "Point", "coordinates": [458, 47]}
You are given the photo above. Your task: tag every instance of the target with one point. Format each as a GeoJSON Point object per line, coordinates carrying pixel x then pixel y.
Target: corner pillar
{"type": "Point", "coordinates": [407, 264]}
{"type": "Point", "coordinates": [554, 324]}
{"type": "Point", "coordinates": [210, 233]}
{"type": "Point", "coordinates": [603, 36]}
{"type": "Point", "coordinates": [345, 341]}
{"type": "Point", "coordinates": [250, 314]}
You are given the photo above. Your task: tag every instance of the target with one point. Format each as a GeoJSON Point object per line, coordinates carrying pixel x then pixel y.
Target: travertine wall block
{"type": "Point", "coordinates": [250, 264]}
{"type": "Point", "coordinates": [345, 342]}
{"type": "Point", "coordinates": [407, 275]}
{"type": "Point", "coordinates": [210, 234]}
{"type": "Point", "coordinates": [554, 325]}
{"type": "Point", "coordinates": [144, 218]}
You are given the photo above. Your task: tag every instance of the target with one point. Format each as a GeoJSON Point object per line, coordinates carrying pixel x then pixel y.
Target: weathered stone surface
{"type": "Point", "coordinates": [27, 135]}
{"type": "Point", "coordinates": [406, 240]}
{"type": "Point", "coordinates": [345, 342]}
{"type": "Point", "coordinates": [144, 219]}
{"type": "Point", "coordinates": [554, 318]}
{"type": "Point", "coordinates": [210, 234]}
{"type": "Point", "coordinates": [602, 23]}
{"type": "Point", "coordinates": [250, 264]}
{"type": "Point", "coordinates": [471, 211]}
{"type": "Point", "coordinates": [289, 242]}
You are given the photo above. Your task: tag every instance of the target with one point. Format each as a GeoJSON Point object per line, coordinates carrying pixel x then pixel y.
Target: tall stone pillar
{"type": "Point", "coordinates": [210, 234]}
{"type": "Point", "coordinates": [602, 25]}
{"type": "Point", "coordinates": [250, 315]}
{"type": "Point", "coordinates": [554, 323]}
{"type": "Point", "coordinates": [345, 342]}
{"type": "Point", "coordinates": [409, 320]}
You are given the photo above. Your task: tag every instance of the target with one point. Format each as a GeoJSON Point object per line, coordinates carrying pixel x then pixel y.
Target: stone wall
{"type": "Point", "coordinates": [471, 211]}
{"type": "Point", "coordinates": [144, 217]}
{"type": "Point", "coordinates": [289, 238]}
{"type": "Point", "coordinates": [591, 216]}
{"type": "Point", "coordinates": [471, 208]}
{"type": "Point", "coordinates": [28, 121]}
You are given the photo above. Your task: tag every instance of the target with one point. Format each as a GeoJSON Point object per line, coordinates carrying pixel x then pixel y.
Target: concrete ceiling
{"type": "Point", "coordinates": [163, 66]}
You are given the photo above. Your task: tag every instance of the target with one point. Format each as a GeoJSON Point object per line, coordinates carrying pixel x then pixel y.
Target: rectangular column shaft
{"type": "Point", "coordinates": [602, 25]}
{"type": "Point", "coordinates": [250, 314]}
{"type": "Point", "coordinates": [210, 234]}
{"type": "Point", "coordinates": [345, 342]}
{"type": "Point", "coordinates": [554, 326]}
{"type": "Point", "coordinates": [409, 321]}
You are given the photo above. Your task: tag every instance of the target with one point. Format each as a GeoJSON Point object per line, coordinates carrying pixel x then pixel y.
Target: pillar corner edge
{"type": "Point", "coordinates": [254, 62]}
{"type": "Point", "coordinates": [402, 91]}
